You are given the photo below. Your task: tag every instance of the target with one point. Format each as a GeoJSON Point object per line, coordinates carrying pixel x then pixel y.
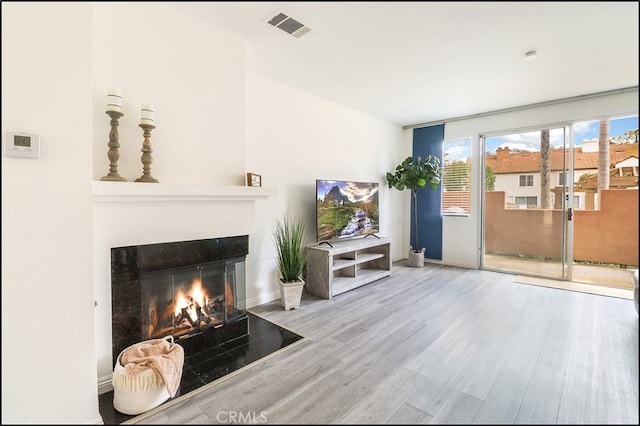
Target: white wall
{"type": "Point", "coordinates": [191, 72]}
{"type": "Point", "coordinates": [294, 138]}
{"type": "Point", "coordinates": [213, 124]}
{"type": "Point", "coordinates": [48, 347]}
{"type": "Point", "coordinates": [462, 235]}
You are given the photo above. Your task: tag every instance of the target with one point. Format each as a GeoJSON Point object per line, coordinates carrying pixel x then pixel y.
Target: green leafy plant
{"type": "Point", "coordinates": [414, 174]}
{"type": "Point", "coordinates": [288, 237]}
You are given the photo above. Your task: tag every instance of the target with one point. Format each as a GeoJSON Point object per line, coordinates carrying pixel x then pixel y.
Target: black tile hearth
{"type": "Point", "coordinates": [204, 367]}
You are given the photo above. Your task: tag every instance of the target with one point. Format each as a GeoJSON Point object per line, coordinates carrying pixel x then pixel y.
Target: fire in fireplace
{"type": "Point", "coordinates": [184, 301]}
{"type": "Point", "coordinates": [191, 290]}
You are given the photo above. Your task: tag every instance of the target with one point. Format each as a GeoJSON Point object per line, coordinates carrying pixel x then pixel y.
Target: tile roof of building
{"type": "Point", "coordinates": [505, 161]}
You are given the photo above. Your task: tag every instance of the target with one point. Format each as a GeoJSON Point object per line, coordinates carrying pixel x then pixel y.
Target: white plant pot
{"type": "Point", "coordinates": [291, 294]}
{"type": "Point", "coordinates": [416, 260]}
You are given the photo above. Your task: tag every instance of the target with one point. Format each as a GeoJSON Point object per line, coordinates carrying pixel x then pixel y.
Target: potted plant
{"type": "Point", "coordinates": [414, 174]}
{"type": "Point", "coordinates": [288, 233]}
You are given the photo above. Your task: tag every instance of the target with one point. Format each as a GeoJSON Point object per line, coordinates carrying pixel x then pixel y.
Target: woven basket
{"type": "Point", "coordinates": [134, 395]}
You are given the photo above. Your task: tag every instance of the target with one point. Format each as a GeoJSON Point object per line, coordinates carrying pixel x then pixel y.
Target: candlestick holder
{"type": "Point", "coordinates": [113, 145]}
{"type": "Point", "coordinates": [146, 158]}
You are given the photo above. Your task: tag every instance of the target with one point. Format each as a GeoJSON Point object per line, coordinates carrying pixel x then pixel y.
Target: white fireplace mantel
{"type": "Point", "coordinates": [141, 191]}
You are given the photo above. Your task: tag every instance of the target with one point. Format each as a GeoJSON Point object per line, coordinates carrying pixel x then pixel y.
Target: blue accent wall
{"type": "Point", "coordinates": [428, 140]}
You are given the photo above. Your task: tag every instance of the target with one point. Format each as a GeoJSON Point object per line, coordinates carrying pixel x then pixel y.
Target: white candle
{"type": "Point", "coordinates": [146, 114]}
{"type": "Point", "coordinates": [114, 100]}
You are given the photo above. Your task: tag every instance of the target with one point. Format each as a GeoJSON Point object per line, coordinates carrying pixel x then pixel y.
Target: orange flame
{"type": "Point", "coordinates": [191, 300]}
{"type": "Point", "coordinates": [229, 296]}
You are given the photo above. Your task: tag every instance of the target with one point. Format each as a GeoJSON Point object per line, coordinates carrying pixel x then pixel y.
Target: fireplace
{"type": "Point", "coordinates": [191, 290]}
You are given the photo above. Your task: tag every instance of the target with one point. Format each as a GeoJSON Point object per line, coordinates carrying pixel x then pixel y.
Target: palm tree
{"type": "Point", "coordinates": [604, 155]}
{"type": "Point", "coordinates": [545, 170]}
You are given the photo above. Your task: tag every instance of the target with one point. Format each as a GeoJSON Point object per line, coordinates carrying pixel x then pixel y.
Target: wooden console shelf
{"type": "Point", "coordinates": [346, 265]}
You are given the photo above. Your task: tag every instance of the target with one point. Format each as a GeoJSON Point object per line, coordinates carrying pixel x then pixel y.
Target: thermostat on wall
{"type": "Point", "coordinates": [23, 145]}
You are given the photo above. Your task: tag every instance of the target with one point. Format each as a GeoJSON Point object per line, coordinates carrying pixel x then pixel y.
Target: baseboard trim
{"type": "Point", "coordinates": [620, 293]}
{"type": "Point", "coordinates": [104, 384]}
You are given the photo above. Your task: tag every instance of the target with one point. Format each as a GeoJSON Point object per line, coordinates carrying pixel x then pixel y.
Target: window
{"type": "Point", "coordinates": [576, 202]}
{"type": "Point", "coordinates": [526, 202]}
{"type": "Point", "coordinates": [456, 179]}
{"type": "Point", "coordinates": [526, 180]}
{"type": "Point", "coordinates": [561, 178]}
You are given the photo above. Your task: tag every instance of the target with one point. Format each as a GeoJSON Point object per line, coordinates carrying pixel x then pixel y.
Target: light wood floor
{"type": "Point", "coordinates": [437, 344]}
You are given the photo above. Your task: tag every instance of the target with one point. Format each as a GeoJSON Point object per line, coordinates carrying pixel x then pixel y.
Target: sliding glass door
{"type": "Point", "coordinates": [527, 213]}
{"type": "Point", "coordinates": [562, 202]}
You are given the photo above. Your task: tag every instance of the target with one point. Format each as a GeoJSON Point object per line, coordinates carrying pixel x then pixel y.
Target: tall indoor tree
{"type": "Point", "coordinates": [414, 174]}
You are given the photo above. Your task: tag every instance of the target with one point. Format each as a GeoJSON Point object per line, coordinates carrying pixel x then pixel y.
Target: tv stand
{"type": "Point", "coordinates": [327, 243]}
{"type": "Point", "coordinates": [346, 265]}
{"type": "Point", "coordinates": [372, 235]}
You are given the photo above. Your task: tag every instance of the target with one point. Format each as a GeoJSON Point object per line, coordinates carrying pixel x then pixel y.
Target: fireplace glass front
{"type": "Point", "coordinates": [191, 290]}
{"type": "Point", "coordinates": [182, 302]}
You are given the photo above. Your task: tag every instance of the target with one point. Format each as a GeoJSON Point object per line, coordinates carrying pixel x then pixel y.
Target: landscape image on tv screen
{"type": "Point", "coordinates": [346, 209]}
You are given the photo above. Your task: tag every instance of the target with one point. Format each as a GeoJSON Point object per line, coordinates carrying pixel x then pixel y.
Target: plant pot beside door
{"type": "Point", "coordinates": [416, 258]}
{"type": "Point", "coordinates": [414, 174]}
{"type": "Point", "coordinates": [288, 237]}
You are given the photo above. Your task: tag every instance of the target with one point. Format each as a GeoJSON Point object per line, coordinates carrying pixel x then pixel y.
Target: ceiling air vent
{"type": "Point", "coordinates": [289, 25]}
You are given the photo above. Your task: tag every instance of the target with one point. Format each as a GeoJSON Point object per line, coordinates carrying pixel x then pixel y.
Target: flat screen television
{"type": "Point", "coordinates": [346, 209]}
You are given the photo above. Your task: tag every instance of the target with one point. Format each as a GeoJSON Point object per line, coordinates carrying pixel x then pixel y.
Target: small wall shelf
{"type": "Point", "coordinates": [346, 265]}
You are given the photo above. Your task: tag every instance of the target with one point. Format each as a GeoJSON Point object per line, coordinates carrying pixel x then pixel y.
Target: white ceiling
{"type": "Point", "coordinates": [419, 62]}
